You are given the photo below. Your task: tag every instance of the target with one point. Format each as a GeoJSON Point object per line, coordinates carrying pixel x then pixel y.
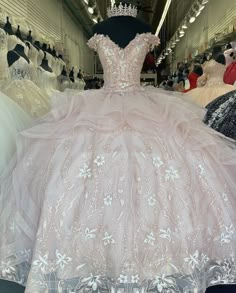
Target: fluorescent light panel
{"type": "Point", "coordinates": [167, 6]}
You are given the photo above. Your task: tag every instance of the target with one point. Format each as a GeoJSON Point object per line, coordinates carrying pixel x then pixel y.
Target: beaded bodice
{"type": "Point", "coordinates": [122, 67]}
{"type": "Point", "coordinates": [20, 69]}
{"type": "Point", "coordinates": [215, 72]}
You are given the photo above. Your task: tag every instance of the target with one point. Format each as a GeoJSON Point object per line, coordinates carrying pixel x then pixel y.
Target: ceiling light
{"type": "Point", "coordinates": [192, 19]}
{"type": "Point", "coordinates": [91, 10]}
{"type": "Point", "coordinates": [181, 32]}
{"type": "Point", "coordinates": [200, 6]}
{"type": "Point", "coordinates": [95, 20]}
{"type": "Point", "coordinates": [86, 1]}
{"type": "Point", "coordinates": [184, 26]}
{"type": "Point", "coordinates": [204, 2]}
{"type": "Point", "coordinates": [177, 39]}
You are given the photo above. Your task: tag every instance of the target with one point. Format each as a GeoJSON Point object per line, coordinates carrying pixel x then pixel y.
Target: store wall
{"type": "Point", "coordinates": [217, 17]}
{"type": "Point", "coordinates": [52, 22]}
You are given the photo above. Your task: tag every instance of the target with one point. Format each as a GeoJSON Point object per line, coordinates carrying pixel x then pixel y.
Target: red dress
{"type": "Point", "coordinates": [193, 81]}
{"type": "Point", "coordinates": [230, 74]}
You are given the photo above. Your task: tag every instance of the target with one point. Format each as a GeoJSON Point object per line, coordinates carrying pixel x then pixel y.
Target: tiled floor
{"type": "Point", "coordinates": [8, 287]}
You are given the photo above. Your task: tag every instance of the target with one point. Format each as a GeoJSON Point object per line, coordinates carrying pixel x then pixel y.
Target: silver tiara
{"type": "Point", "coordinates": [122, 10]}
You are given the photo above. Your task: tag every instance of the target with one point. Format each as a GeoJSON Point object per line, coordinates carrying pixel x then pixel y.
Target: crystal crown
{"type": "Point", "coordinates": [122, 10]}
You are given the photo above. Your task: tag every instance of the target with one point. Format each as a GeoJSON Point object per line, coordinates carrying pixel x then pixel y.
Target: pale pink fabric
{"type": "Point", "coordinates": [120, 189]}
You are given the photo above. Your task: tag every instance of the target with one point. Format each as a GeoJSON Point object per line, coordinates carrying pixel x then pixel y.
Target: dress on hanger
{"type": "Point", "coordinates": [221, 114]}
{"type": "Point", "coordinates": [33, 55]}
{"type": "Point", "coordinates": [210, 84]}
{"type": "Point", "coordinates": [121, 189]}
{"type": "Point", "coordinates": [23, 90]}
{"type": "Point", "coordinates": [47, 81]}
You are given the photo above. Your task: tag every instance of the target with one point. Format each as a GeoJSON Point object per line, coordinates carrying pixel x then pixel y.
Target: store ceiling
{"type": "Point", "coordinates": [177, 11]}
{"type": "Point", "coordinates": [152, 13]}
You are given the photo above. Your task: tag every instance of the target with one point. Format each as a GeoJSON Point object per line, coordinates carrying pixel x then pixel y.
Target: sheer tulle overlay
{"type": "Point", "coordinates": [122, 189]}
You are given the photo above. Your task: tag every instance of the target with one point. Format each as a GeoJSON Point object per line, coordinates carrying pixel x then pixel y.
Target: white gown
{"type": "Point", "coordinates": [12, 118]}
{"type": "Point", "coordinates": [24, 91]}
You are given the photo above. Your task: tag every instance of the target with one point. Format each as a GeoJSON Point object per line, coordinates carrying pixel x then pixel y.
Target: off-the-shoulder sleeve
{"type": "Point", "coordinates": [93, 42]}
{"type": "Point", "coordinates": [153, 40]}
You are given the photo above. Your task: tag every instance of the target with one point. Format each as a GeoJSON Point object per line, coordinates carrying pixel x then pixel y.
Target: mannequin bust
{"type": "Point", "coordinates": [8, 28]}
{"type": "Point", "coordinates": [49, 50]}
{"type": "Point", "coordinates": [44, 47]}
{"type": "Point", "coordinates": [18, 33]}
{"type": "Point", "coordinates": [37, 45]}
{"type": "Point", "coordinates": [45, 65]}
{"type": "Point", "coordinates": [54, 52]}
{"type": "Point", "coordinates": [218, 55]}
{"type": "Point", "coordinates": [15, 54]}
{"type": "Point", "coordinates": [80, 75]}
{"type": "Point", "coordinates": [29, 37]}
{"type": "Point", "coordinates": [64, 73]}
{"type": "Point", "coordinates": [121, 28]}
{"type": "Point", "coordinates": [71, 75]}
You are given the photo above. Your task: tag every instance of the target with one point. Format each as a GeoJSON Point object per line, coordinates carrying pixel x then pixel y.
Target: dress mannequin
{"type": "Point", "coordinates": [49, 50]}
{"type": "Point", "coordinates": [15, 54]}
{"type": "Point", "coordinates": [121, 189]}
{"type": "Point", "coordinates": [44, 47]}
{"type": "Point", "coordinates": [71, 75]}
{"type": "Point", "coordinates": [8, 28]}
{"type": "Point", "coordinates": [29, 37]}
{"type": "Point", "coordinates": [18, 33]}
{"type": "Point", "coordinates": [49, 58]}
{"type": "Point", "coordinates": [116, 28]}
{"type": "Point", "coordinates": [37, 45]}
{"type": "Point", "coordinates": [211, 84]}
{"type": "Point", "coordinates": [47, 78]}
{"type": "Point", "coordinates": [54, 64]}
{"type": "Point", "coordinates": [63, 80]}
{"type": "Point", "coordinates": [54, 53]}
{"type": "Point", "coordinates": [20, 86]}
{"type": "Point", "coordinates": [33, 55]}
{"type": "Point", "coordinates": [45, 65]}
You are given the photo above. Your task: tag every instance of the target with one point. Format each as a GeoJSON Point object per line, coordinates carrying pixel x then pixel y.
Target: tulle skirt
{"type": "Point", "coordinates": [12, 120]}
{"type": "Point", "coordinates": [204, 95]}
{"type": "Point", "coordinates": [120, 192]}
{"type": "Point", "coordinates": [29, 96]}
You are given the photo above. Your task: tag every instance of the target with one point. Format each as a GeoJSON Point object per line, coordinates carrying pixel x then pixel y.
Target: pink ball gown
{"type": "Point", "coordinates": [210, 84]}
{"type": "Point", "coordinates": [121, 189]}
